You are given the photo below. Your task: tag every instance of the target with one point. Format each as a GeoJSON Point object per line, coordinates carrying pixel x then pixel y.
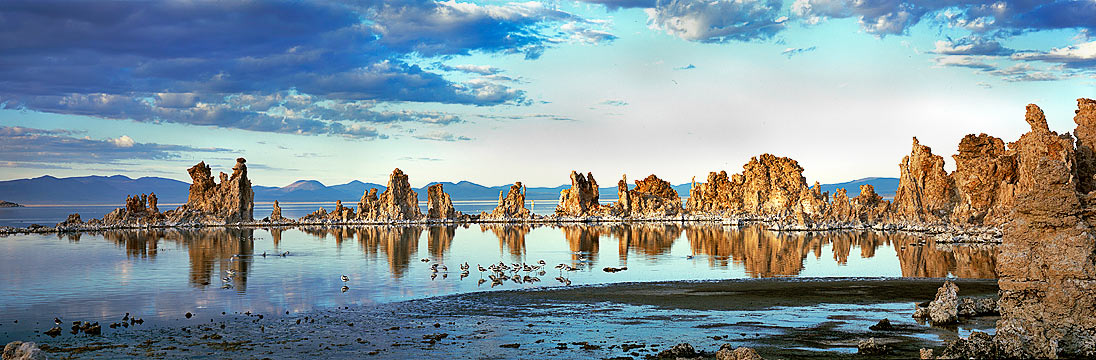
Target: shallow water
{"type": "Point", "coordinates": [160, 275]}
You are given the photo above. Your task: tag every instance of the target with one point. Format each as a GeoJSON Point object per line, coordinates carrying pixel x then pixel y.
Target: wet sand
{"type": "Point", "coordinates": [821, 318]}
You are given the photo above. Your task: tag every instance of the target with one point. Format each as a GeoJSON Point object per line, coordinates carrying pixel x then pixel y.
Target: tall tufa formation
{"type": "Point", "coordinates": [438, 204]}
{"type": "Point", "coordinates": [985, 181]}
{"type": "Point", "coordinates": [925, 192]}
{"type": "Point", "coordinates": [652, 197]}
{"type": "Point", "coordinates": [511, 205]}
{"type": "Point", "coordinates": [768, 185]}
{"type": "Point", "coordinates": [1086, 144]}
{"type": "Point", "coordinates": [229, 201]}
{"type": "Point", "coordinates": [717, 196]}
{"type": "Point", "coordinates": [772, 185]}
{"type": "Point", "coordinates": [1047, 259]}
{"type": "Point", "coordinates": [397, 202]}
{"type": "Point", "coordinates": [581, 198]}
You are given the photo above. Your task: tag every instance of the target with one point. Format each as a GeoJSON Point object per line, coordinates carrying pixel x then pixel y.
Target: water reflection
{"type": "Point", "coordinates": [162, 271]}
{"type": "Point", "coordinates": [511, 238]}
{"type": "Point", "coordinates": [230, 251]}
{"type": "Point", "coordinates": [761, 253]}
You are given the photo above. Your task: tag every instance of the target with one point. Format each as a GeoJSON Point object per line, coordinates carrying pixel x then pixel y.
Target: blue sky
{"type": "Point", "coordinates": [495, 92]}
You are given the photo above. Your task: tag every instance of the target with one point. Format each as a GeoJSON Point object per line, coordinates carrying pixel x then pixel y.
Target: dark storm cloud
{"type": "Point", "coordinates": [191, 61]}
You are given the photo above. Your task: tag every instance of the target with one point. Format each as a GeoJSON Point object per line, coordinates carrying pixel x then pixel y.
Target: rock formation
{"type": "Point", "coordinates": [438, 205]}
{"type": "Point", "coordinates": [869, 207]}
{"type": "Point", "coordinates": [229, 201]}
{"type": "Point", "coordinates": [1086, 144]}
{"type": "Point", "coordinates": [925, 192]}
{"type": "Point", "coordinates": [812, 205]}
{"type": "Point", "coordinates": [136, 212]}
{"type": "Point", "coordinates": [369, 207]}
{"type": "Point", "coordinates": [581, 198]}
{"type": "Point", "coordinates": [276, 214]}
{"type": "Point", "coordinates": [717, 196]}
{"type": "Point", "coordinates": [399, 201]}
{"type": "Point", "coordinates": [652, 197]}
{"type": "Point", "coordinates": [1047, 259]}
{"type": "Point", "coordinates": [985, 178]}
{"type": "Point", "coordinates": [511, 205]}
{"type": "Point", "coordinates": [340, 214]}
{"type": "Point", "coordinates": [18, 350]}
{"type": "Point", "coordinates": [768, 186]}
{"type": "Point", "coordinates": [944, 309]}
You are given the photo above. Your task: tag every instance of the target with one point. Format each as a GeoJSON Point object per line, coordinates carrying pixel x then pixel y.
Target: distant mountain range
{"type": "Point", "coordinates": [114, 189]}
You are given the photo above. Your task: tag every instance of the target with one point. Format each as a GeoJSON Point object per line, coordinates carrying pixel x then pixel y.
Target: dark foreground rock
{"type": "Point", "coordinates": [18, 350]}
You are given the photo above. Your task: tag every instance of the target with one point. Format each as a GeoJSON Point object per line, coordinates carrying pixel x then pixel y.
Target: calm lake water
{"type": "Point", "coordinates": [161, 275]}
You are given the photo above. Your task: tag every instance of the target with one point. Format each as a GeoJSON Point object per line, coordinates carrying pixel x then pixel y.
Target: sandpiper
{"type": "Point", "coordinates": [345, 278]}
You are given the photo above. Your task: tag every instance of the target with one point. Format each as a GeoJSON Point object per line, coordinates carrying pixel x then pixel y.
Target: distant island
{"type": "Point", "coordinates": [8, 204]}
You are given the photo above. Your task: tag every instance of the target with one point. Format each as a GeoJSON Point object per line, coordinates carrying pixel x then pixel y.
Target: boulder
{"type": "Point", "coordinates": [871, 348]}
{"type": "Point", "coordinates": [682, 350]}
{"type": "Point", "coordinates": [18, 350]}
{"type": "Point", "coordinates": [944, 309]}
{"type": "Point", "coordinates": [978, 345]}
{"type": "Point", "coordinates": [729, 352]}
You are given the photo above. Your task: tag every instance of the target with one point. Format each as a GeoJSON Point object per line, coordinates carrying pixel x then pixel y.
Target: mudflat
{"type": "Point", "coordinates": [823, 318]}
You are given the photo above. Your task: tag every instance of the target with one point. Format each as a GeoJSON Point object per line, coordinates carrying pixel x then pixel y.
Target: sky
{"type": "Point", "coordinates": [495, 92]}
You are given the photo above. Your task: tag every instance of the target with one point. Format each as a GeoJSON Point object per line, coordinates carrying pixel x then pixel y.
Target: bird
{"type": "Point", "coordinates": [345, 288]}
{"type": "Point", "coordinates": [463, 275]}
{"type": "Point", "coordinates": [464, 266]}
{"type": "Point", "coordinates": [481, 269]}
{"type": "Point", "coordinates": [345, 278]}
{"type": "Point", "coordinates": [264, 253]}
{"type": "Point", "coordinates": [433, 276]}
{"type": "Point", "coordinates": [58, 320]}
{"type": "Point", "coordinates": [424, 260]}
{"type": "Point", "coordinates": [541, 262]}
{"type": "Point", "coordinates": [481, 281]}
{"type": "Point", "coordinates": [285, 254]}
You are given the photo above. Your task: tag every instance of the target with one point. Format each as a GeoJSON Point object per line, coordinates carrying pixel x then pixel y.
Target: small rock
{"type": "Point", "coordinates": [510, 346]}
{"type": "Point", "coordinates": [978, 345]}
{"type": "Point", "coordinates": [682, 350]}
{"type": "Point", "coordinates": [18, 350]}
{"type": "Point", "coordinates": [871, 347]}
{"type": "Point", "coordinates": [882, 325]}
{"type": "Point", "coordinates": [927, 354]}
{"type": "Point", "coordinates": [729, 352]}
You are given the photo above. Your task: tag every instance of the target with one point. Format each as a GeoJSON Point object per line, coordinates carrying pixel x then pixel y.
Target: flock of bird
{"type": "Point", "coordinates": [498, 274]}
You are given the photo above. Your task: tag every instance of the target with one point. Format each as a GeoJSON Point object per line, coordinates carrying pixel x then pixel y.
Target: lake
{"type": "Point", "coordinates": [160, 275]}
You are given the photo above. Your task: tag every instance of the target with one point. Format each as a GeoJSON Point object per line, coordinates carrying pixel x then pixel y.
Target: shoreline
{"type": "Point", "coordinates": [944, 233]}
{"type": "Point", "coordinates": [621, 320]}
